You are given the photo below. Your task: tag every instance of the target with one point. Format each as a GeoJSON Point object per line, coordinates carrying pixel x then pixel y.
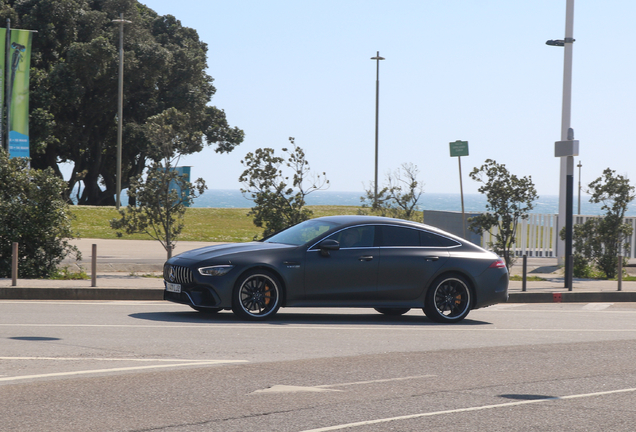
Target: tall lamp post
{"type": "Point", "coordinates": [377, 59]}
{"type": "Point", "coordinates": [566, 149]}
{"type": "Point", "coordinates": [120, 102]}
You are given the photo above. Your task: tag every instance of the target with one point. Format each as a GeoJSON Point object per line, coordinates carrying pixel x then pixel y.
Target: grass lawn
{"type": "Point", "coordinates": [201, 224]}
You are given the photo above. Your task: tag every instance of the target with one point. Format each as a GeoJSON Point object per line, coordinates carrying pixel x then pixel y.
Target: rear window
{"type": "Point", "coordinates": [394, 236]}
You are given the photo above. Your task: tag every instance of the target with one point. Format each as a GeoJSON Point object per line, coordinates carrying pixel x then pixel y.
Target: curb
{"type": "Point", "coordinates": [24, 293]}
{"type": "Point", "coordinates": [572, 297]}
{"type": "Point", "coordinates": [114, 294]}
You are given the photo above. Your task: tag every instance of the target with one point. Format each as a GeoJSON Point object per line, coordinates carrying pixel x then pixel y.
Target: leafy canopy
{"type": "Point", "coordinates": [278, 187]}
{"type": "Point", "coordinates": [33, 214]}
{"type": "Point", "coordinates": [600, 241]}
{"type": "Point", "coordinates": [509, 199]}
{"type": "Point", "coordinates": [400, 195]}
{"type": "Point", "coordinates": [74, 87]}
{"type": "Point", "coordinates": [157, 203]}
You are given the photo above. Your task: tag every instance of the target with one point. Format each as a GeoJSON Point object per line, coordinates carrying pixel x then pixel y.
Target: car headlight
{"type": "Point", "coordinates": [219, 270]}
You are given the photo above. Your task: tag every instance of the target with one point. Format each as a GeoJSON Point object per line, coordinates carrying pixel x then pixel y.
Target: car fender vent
{"type": "Point", "coordinates": [177, 274]}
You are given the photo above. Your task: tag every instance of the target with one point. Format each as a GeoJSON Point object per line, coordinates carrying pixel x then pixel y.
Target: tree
{"type": "Point", "coordinates": [509, 199]}
{"type": "Point", "coordinates": [33, 214]}
{"type": "Point", "coordinates": [74, 88]}
{"type": "Point", "coordinates": [279, 204]}
{"type": "Point", "coordinates": [157, 204]}
{"type": "Point", "coordinates": [601, 240]}
{"type": "Point", "coordinates": [400, 196]}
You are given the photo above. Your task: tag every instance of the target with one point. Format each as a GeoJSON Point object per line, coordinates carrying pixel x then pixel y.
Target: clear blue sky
{"type": "Point", "coordinates": [474, 70]}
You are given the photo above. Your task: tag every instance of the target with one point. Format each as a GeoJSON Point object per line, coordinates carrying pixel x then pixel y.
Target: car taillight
{"type": "Point", "coordinates": [500, 263]}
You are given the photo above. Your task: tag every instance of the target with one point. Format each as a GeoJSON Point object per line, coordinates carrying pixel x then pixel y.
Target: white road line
{"type": "Point", "coordinates": [597, 306]}
{"type": "Point", "coordinates": [124, 369]}
{"type": "Point", "coordinates": [424, 326]}
{"type": "Point", "coordinates": [281, 388]}
{"type": "Point", "coordinates": [112, 359]}
{"type": "Point", "coordinates": [376, 381]}
{"type": "Point", "coordinates": [461, 410]}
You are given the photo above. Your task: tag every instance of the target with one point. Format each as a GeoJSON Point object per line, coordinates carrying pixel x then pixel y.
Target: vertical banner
{"type": "Point", "coordinates": [3, 56]}
{"type": "Point", "coordinates": [184, 170]}
{"type": "Point", "coordinates": [17, 74]}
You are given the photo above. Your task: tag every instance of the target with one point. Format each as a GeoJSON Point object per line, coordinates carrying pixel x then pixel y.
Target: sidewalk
{"type": "Point", "coordinates": [132, 270]}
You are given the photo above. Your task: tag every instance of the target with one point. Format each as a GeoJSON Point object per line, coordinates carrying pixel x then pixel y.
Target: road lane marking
{"type": "Point", "coordinates": [597, 306]}
{"type": "Point", "coordinates": [123, 369]}
{"type": "Point", "coordinates": [469, 409]}
{"type": "Point", "coordinates": [377, 381]}
{"type": "Point", "coordinates": [111, 359]}
{"type": "Point", "coordinates": [325, 387]}
{"type": "Point", "coordinates": [424, 326]}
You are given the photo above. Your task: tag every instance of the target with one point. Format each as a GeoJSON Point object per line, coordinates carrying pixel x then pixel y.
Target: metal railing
{"type": "Point", "coordinates": [537, 236]}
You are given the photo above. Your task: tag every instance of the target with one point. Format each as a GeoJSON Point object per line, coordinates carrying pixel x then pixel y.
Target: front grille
{"type": "Point", "coordinates": [177, 274]}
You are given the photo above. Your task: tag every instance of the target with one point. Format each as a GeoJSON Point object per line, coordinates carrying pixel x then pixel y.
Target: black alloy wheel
{"type": "Point", "coordinates": [257, 295]}
{"type": "Point", "coordinates": [448, 299]}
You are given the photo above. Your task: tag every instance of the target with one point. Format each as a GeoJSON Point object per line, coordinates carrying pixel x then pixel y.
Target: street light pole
{"type": "Point", "coordinates": [564, 249]}
{"type": "Point", "coordinates": [377, 59]}
{"type": "Point", "coordinates": [120, 102]}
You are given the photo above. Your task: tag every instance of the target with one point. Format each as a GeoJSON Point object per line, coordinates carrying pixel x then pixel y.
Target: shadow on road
{"type": "Point", "coordinates": [287, 318]}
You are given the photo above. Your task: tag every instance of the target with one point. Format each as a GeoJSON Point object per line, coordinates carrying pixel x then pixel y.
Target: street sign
{"type": "Point", "coordinates": [459, 148]}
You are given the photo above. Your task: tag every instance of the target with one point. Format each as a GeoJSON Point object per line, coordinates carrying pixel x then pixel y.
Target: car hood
{"type": "Point", "coordinates": [229, 249]}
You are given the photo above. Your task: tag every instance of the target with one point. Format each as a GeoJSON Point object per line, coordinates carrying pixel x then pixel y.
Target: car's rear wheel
{"type": "Point", "coordinates": [448, 299]}
{"type": "Point", "coordinates": [257, 295]}
{"type": "Point", "coordinates": [393, 311]}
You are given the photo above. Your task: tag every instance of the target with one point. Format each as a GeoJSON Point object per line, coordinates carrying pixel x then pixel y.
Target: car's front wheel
{"type": "Point", "coordinates": [257, 295]}
{"type": "Point", "coordinates": [393, 311]}
{"type": "Point", "coordinates": [448, 299]}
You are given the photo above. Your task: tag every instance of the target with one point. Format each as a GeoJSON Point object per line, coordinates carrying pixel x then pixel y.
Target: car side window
{"type": "Point", "coordinates": [399, 236]}
{"type": "Point", "coordinates": [361, 236]}
{"type": "Point", "coordinates": [433, 240]}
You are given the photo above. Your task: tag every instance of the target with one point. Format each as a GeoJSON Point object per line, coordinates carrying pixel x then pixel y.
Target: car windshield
{"type": "Point", "coordinates": [302, 233]}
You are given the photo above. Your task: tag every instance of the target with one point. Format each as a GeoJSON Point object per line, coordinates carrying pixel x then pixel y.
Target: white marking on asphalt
{"type": "Point", "coordinates": [123, 369]}
{"type": "Point", "coordinates": [597, 306]}
{"type": "Point", "coordinates": [424, 326]}
{"type": "Point", "coordinates": [469, 409]}
{"type": "Point", "coordinates": [325, 387]}
{"type": "Point", "coordinates": [293, 389]}
{"type": "Point", "coordinates": [377, 381]}
{"type": "Point", "coordinates": [111, 359]}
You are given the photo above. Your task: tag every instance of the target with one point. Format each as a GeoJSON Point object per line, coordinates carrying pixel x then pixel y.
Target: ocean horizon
{"type": "Point", "coordinates": [547, 204]}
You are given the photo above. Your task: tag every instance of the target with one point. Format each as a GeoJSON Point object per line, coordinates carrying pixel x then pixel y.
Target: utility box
{"type": "Point", "coordinates": [566, 148]}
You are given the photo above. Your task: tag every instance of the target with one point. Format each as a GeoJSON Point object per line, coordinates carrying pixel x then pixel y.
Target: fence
{"type": "Point", "coordinates": [537, 236]}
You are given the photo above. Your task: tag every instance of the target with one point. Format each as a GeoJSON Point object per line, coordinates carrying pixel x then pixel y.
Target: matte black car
{"type": "Point", "coordinates": [390, 265]}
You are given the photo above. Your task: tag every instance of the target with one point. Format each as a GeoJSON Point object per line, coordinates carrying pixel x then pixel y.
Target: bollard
{"type": "Point", "coordinates": [14, 264]}
{"type": "Point", "coordinates": [620, 272]}
{"type": "Point", "coordinates": [94, 267]}
{"type": "Point", "coordinates": [525, 273]}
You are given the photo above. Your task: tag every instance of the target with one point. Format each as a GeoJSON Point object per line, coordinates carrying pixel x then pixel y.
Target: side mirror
{"type": "Point", "coordinates": [328, 246]}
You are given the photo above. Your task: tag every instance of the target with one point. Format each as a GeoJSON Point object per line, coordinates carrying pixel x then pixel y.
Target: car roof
{"type": "Point", "coordinates": [346, 220]}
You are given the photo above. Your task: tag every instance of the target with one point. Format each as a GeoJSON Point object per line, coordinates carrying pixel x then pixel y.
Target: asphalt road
{"type": "Point", "coordinates": [155, 366]}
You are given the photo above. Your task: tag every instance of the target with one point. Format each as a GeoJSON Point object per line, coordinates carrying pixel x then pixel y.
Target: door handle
{"type": "Point", "coordinates": [365, 258]}
{"type": "Point", "coordinates": [431, 258]}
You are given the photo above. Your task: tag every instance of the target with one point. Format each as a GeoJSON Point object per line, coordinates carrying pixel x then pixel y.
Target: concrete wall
{"type": "Point", "coordinates": [451, 222]}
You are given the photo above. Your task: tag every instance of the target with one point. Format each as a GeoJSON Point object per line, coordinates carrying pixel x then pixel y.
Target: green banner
{"type": "Point", "coordinates": [17, 74]}
{"type": "Point", "coordinates": [3, 38]}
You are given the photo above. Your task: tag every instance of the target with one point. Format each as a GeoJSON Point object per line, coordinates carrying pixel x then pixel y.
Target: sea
{"type": "Point", "coordinates": [547, 204]}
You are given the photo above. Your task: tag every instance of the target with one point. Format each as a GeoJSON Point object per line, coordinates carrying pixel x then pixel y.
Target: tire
{"type": "Point", "coordinates": [256, 296]}
{"type": "Point", "coordinates": [448, 299]}
{"type": "Point", "coordinates": [206, 310]}
{"type": "Point", "coordinates": [393, 311]}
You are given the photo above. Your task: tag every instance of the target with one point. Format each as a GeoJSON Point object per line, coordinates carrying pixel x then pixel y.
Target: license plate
{"type": "Point", "coordinates": [173, 287]}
